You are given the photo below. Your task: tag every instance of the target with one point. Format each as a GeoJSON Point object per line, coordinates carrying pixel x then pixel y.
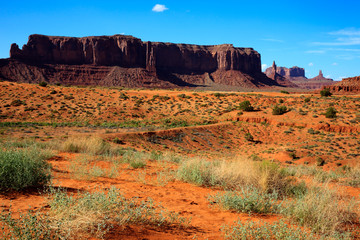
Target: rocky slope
{"type": "Point", "coordinates": [297, 76]}
{"type": "Point", "coordinates": [347, 85]}
{"type": "Point", "coordinates": [121, 60]}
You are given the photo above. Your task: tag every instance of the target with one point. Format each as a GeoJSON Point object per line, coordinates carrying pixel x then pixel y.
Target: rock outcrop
{"type": "Point", "coordinates": [274, 72]}
{"type": "Point", "coordinates": [288, 73]}
{"type": "Point", "coordinates": [120, 60]}
{"type": "Point", "coordinates": [296, 75]}
{"type": "Point", "coordinates": [347, 85]}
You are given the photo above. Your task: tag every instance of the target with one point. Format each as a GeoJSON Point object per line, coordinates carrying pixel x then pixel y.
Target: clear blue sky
{"type": "Point", "coordinates": [315, 35]}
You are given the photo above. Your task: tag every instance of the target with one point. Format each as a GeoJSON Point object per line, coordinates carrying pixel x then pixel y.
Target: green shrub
{"type": "Point", "coordinates": [246, 106]}
{"type": "Point", "coordinates": [279, 110]}
{"type": "Point", "coordinates": [325, 92]}
{"type": "Point", "coordinates": [23, 168]}
{"type": "Point", "coordinates": [87, 215]}
{"type": "Point", "coordinates": [307, 100]}
{"type": "Point", "coordinates": [322, 210]}
{"type": "Point", "coordinates": [247, 200]}
{"type": "Point", "coordinates": [285, 92]}
{"type": "Point", "coordinates": [263, 230]}
{"type": "Point", "coordinates": [330, 112]}
{"type": "Point", "coordinates": [43, 84]}
{"type": "Point", "coordinates": [198, 172]}
{"type": "Point", "coordinates": [249, 137]}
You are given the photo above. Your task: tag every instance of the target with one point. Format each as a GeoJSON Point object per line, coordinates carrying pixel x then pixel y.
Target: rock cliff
{"type": "Point", "coordinates": [118, 60]}
{"type": "Point", "coordinates": [347, 85]}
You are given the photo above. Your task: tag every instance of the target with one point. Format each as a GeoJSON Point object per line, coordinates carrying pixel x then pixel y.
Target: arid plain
{"type": "Point", "coordinates": [179, 164]}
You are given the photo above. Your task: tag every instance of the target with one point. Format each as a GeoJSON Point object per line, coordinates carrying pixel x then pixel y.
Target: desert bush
{"type": "Point", "coordinates": [279, 110]}
{"type": "Point", "coordinates": [90, 145]}
{"type": "Point", "coordinates": [330, 112]}
{"type": "Point", "coordinates": [246, 106]}
{"type": "Point", "coordinates": [43, 84]}
{"type": "Point", "coordinates": [285, 92]}
{"type": "Point", "coordinates": [322, 210]}
{"type": "Point", "coordinates": [198, 172]}
{"type": "Point", "coordinates": [266, 176]}
{"type": "Point", "coordinates": [86, 215]}
{"type": "Point", "coordinates": [22, 168]}
{"type": "Point", "coordinates": [247, 200]}
{"type": "Point", "coordinates": [262, 230]}
{"type": "Point", "coordinates": [17, 103]}
{"type": "Point", "coordinates": [307, 100]}
{"type": "Point", "coordinates": [325, 92]}
{"type": "Point", "coordinates": [249, 137]}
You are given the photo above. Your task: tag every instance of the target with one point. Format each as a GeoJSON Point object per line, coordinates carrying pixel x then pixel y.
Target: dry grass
{"type": "Point", "coordinates": [84, 144]}
{"type": "Point", "coordinates": [322, 209]}
{"type": "Point", "coordinates": [265, 176]}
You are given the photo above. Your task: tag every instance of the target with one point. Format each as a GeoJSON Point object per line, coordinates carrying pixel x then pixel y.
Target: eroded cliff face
{"type": "Point", "coordinates": [127, 51]}
{"type": "Point", "coordinates": [121, 60]}
{"type": "Point", "coordinates": [347, 85]}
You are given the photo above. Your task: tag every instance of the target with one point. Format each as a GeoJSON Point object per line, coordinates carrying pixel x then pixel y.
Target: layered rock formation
{"type": "Point", "coordinates": [275, 73]}
{"type": "Point", "coordinates": [121, 60]}
{"type": "Point", "coordinates": [288, 73]}
{"type": "Point", "coordinates": [347, 85]}
{"type": "Point", "coordinates": [297, 76]}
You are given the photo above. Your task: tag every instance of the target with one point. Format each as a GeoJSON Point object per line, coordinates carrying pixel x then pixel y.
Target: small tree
{"type": "Point", "coordinates": [330, 112]}
{"type": "Point", "coordinates": [246, 106]}
{"type": "Point", "coordinates": [325, 92]}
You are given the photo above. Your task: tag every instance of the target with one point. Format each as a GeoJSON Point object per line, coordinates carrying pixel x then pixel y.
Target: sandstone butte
{"type": "Point", "coordinates": [296, 75]}
{"type": "Point", "coordinates": [347, 85]}
{"type": "Point", "coordinates": [127, 61]}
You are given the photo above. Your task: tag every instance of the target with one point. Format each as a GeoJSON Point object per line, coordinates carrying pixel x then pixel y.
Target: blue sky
{"type": "Point", "coordinates": [310, 34]}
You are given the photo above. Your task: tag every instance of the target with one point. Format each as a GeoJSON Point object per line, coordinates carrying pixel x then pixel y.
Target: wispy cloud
{"type": "Point", "coordinates": [347, 32]}
{"type": "Point", "coordinates": [349, 41]}
{"type": "Point", "coordinates": [334, 64]}
{"type": "Point", "coordinates": [272, 40]}
{"type": "Point", "coordinates": [343, 37]}
{"type": "Point", "coordinates": [311, 64]}
{"type": "Point", "coordinates": [316, 51]}
{"type": "Point", "coordinates": [159, 8]}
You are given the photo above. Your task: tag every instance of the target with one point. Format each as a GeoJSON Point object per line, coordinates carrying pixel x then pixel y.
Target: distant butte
{"type": "Point", "coordinates": [347, 85]}
{"type": "Point", "coordinates": [296, 75]}
{"type": "Point", "coordinates": [127, 61]}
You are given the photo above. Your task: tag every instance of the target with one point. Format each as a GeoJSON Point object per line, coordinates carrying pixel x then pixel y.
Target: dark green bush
{"type": "Point", "coordinates": [249, 137]}
{"type": "Point", "coordinates": [42, 84]}
{"type": "Point", "coordinates": [246, 106]}
{"type": "Point", "coordinates": [279, 110]}
{"type": "Point", "coordinates": [325, 92]}
{"type": "Point", "coordinates": [330, 113]}
{"type": "Point", "coordinates": [23, 168]}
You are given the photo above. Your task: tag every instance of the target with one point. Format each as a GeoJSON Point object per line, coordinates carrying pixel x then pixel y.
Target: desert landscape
{"type": "Point", "coordinates": [115, 137]}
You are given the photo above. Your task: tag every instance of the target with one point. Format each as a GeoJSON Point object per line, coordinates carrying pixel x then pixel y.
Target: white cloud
{"type": "Point", "coordinates": [311, 64]}
{"type": "Point", "coordinates": [263, 67]}
{"type": "Point", "coordinates": [159, 8]}
{"type": "Point", "coordinates": [348, 41]}
{"type": "Point", "coordinates": [347, 32]}
{"type": "Point", "coordinates": [327, 76]}
{"type": "Point", "coordinates": [316, 51]}
{"type": "Point", "coordinates": [334, 64]}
